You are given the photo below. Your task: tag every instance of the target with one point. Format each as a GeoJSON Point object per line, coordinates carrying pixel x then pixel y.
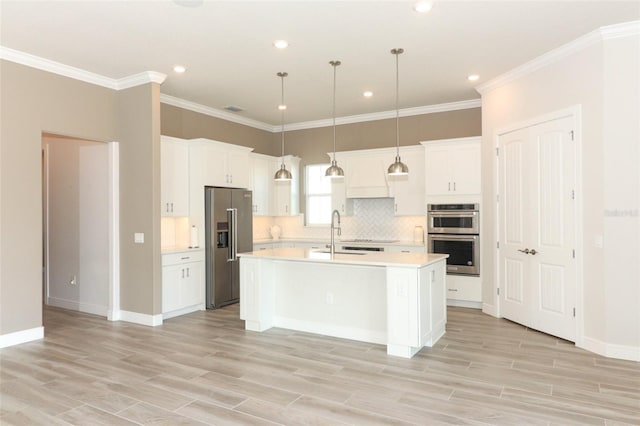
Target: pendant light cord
{"type": "Point", "coordinates": [335, 64]}
{"type": "Point", "coordinates": [397, 53]}
{"type": "Point", "coordinates": [282, 76]}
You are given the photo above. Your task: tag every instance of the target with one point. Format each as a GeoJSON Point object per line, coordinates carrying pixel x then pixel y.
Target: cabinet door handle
{"type": "Point", "coordinates": [454, 186]}
{"type": "Point", "coordinates": [185, 258]}
{"type": "Point", "coordinates": [230, 178]}
{"type": "Point", "coordinates": [167, 209]}
{"type": "Point", "coordinates": [452, 289]}
{"type": "Point", "coordinates": [405, 251]}
{"type": "Point", "coordinates": [171, 207]}
{"type": "Point", "coordinates": [286, 208]}
{"type": "Point", "coordinates": [449, 188]}
{"type": "Point", "coordinates": [342, 208]}
{"type": "Point", "coordinates": [533, 252]}
{"type": "Point", "coordinates": [187, 272]}
{"type": "Point", "coordinates": [525, 251]}
{"type": "Point", "coordinates": [182, 270]}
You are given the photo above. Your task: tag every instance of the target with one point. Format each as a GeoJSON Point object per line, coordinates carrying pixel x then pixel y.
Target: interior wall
{"type": "Point", "coordinates": [139, 137]}
{"type": "Point", "coordinates": [580, 79]}
{"type": "Point", "coordinates": [186, 124]}
{"type": "Point", "coordinates": [76, 178]}
{"type": "Point", "coordinates": [34, 102]}
{"type": "Point", "coordinates": [312, 145]}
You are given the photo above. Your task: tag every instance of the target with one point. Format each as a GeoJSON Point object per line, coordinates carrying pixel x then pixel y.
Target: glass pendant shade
{"type": "Point", "coordinates": [398, 168]}
{"type": "Point", "coordinates": [283, 174]}
{"type": "Point", "coordinates": [334, 171]}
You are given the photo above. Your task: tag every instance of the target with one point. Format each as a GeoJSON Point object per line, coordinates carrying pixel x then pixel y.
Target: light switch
{"type": "Point", "coordinates": [598, 241]}
{"type": "Point", "coordinates": [138, 237]}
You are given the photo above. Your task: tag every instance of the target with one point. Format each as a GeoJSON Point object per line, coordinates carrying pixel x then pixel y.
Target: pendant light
{"type": "Point", "coordinates": [334, 171]}
{"type": "Point", "coordinates": [283, 174]}
{"type": "Point", "coordinates": [398, 168]}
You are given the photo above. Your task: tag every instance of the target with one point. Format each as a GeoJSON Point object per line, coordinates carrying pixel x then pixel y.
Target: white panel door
{"type": "Point", "coordinates": [537, 227]}
{"type": "Point", "coordinates": [553, 274]}
{"type": "Point", "coordinates": [513, 218]}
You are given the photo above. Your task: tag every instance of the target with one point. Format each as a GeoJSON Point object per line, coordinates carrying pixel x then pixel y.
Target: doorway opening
{"type": "Point", "coordinates": [80, 235]}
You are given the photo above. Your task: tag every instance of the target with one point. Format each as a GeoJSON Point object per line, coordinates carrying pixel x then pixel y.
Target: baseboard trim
{"type": "Point", "coordinates": [490, 310]}
{"type": "Point", "coordinates": [74, 305]}
{"type": "Point", "coordinates": [464, 304]}
{"type": "Point", "coordinates": [610, 350]}
{"type": "Point", "coordinates": [22, 336]}
{"type": "Point", "coordinates": [143, 319]}
{"type": "Point", "coordinates": [183, 311]}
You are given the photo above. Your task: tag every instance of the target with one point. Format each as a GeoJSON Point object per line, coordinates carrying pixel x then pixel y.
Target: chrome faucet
{"type": "Point", "coordinates": [333, 227]}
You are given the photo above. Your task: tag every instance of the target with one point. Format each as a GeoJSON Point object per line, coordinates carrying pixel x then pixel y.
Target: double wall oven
{"type": "Point", "coordinates": [454, 229]}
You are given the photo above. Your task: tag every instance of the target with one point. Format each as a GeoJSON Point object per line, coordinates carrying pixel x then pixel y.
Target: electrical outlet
{"type": "Point", "coordinates": [73, 280]}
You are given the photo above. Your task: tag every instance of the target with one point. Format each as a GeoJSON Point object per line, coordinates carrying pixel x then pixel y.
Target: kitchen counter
{"type": "Point", "coordinates": [403, 243]}
{"type": "Point", "coordinates": [364, 258]}
{"type": "Point", "coordinates": [394, 299]}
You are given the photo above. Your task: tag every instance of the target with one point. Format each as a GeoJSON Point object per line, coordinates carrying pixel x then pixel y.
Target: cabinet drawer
{"type": "Point", "coordinates": [182, 257]}
{"type": "Point", "coordinates": [464, 288]}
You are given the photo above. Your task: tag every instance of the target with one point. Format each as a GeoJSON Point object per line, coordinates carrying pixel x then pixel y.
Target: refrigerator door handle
{"type": "Point", "coordinates": [232, 250]}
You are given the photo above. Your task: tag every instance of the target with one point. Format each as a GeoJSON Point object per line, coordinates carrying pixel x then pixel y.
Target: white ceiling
{"type": "Point", "coordinates": [227, 47]}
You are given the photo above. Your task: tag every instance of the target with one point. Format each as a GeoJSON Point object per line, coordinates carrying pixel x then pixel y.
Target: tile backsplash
{"type": "Point", "coordinates": [373, 218]}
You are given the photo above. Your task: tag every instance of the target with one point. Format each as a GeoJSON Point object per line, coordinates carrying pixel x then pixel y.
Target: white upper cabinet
{"type": "Point", "coordinates": [221, 164]}
{"type": "Point", "coordinates": [287, 193]}
{"type": "Point", "coordinates": [263, 185]}
{"type": "Point", "coordinates": [174, 177]}
{"type": "Point", "coordinates": [408, 191]}
{"type": "Point", "coordinates": [452, 167]}
{"type": "Point", "coordinates": [366, 177]}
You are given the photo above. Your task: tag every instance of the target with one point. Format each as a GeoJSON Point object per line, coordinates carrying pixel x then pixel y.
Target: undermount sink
{"type": "Point", "coordinates": [340, 252]}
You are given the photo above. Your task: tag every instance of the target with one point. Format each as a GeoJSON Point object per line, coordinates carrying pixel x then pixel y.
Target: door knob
{"type": "Point", "coordinates": [533, 252]}
{"type": "Point", "coordinates": [525, 251]}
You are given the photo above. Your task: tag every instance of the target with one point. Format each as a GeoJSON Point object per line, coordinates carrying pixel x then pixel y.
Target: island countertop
{"type": "Point", "coordinates": [299, 254]}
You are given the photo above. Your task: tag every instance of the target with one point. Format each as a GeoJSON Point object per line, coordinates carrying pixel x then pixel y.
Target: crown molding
{"type": "Point", "coordinates": [140, 79]}
{"type": "Point", "coordinates": [609, 32]}
{"type": "Point", "coordinates": [384, 115]}
{"type": "Point", "coordinates": [213, 112]}
{"type": "Point", "coordinates": [54, 67]}
{"type": "Point", "coordinates": [33, 61]}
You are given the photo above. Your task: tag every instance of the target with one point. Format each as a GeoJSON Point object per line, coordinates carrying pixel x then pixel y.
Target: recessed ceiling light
{"type": "Point", "coordinates": [179, 69]}
{"type": "Point", "coordinates": [473, 77]}
{"type": "Point", "coordinates": [281, 44]}
{"type": "Point", "coordinates": [422, 6]}
{"type": "Point", "coordinates": [282, 107]}
{"type": "Point", "coordinates": [367, 94]}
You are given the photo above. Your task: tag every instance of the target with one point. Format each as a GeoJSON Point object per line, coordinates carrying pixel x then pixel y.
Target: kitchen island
{"type": "Point", "coordinates": [394, 299]}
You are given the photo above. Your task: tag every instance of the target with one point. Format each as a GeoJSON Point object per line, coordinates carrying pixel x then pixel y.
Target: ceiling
{"type": "Point", "coordinates": [227, 47]}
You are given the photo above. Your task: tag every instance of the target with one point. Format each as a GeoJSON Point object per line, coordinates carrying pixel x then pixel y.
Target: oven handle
{"type": "Point", "coordinates": [453, 213]}
{"type": "Point", "coordinates": [468, 237]}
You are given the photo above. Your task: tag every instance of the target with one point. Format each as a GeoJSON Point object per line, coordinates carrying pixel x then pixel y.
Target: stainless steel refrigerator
{"type": "Point", "coordinates": [229, 231]}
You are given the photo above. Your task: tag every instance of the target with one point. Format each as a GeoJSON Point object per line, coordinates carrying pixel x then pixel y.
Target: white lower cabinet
{"type": "Point", "coordinates": [464, 291]}
{"type": "Point", "coordinates": [183, 282]}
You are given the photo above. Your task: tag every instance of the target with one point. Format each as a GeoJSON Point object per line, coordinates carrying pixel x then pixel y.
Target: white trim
{"type": "Point", "coordinates": [464, 304]}
{"type": "Point", "coordinates": [113, 311]}
{"type": "Point", "coordinates": [383, 115]}
{"type": "Point", "coordinates": [22, 336]}
{"type": "Point", "coordinates": [138, 318]}
{"type": "Point", "coordinates": [183, 311]}
{"type": "Point", "coordinates": [54, 67]}
{"type": "Point", "coordinates": [45, 248]}
{"type": "Point", "coordinates": [140, 79]}
{"type": "Point", "coordinates": [490, 310]}
{"type": "Point", "coordinates": [213, 112]}
{"type": "Point", "coordinates": [625, 29]}
{"type": "Point", "coordinates": [469, 139]}
{"type": "Point", "coordinates": [611, 350]}
{"type": "Point", "coordinates": [74, 305]}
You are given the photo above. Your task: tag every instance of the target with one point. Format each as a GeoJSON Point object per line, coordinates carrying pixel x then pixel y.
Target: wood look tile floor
{"type": "Point", "coordinates": [204, 368]}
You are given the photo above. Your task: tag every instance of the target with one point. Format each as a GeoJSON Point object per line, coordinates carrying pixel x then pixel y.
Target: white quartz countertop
{"type": "Point", "coordinates": [299, 254]}
{"type": "Point", "coordinates": [404, 243]}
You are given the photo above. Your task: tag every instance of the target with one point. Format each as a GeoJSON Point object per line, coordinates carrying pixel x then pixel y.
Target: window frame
{"type": "Point", "coordinates": [308, 195]}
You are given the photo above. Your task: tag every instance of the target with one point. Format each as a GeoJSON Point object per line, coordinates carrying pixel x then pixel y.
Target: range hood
{"type": "Point", "coordinates": [367, 178]}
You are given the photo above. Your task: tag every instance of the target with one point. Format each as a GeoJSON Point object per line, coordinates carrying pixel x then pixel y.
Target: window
{"type": "Point", "coordinates": [318, 193]}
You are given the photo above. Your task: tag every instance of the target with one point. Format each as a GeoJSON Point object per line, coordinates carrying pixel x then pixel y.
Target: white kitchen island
{"type": "Point", "coordinates": [394, 299]}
